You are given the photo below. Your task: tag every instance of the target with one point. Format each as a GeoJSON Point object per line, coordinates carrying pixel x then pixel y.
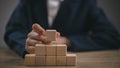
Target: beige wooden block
{"type": "Point", "coordinates": [61, 60]}
{"type": "Point", "coordinates": [40, 49]}
{"type": "Point", "coordinates": [71, 59]}
{"type": "Point", "coordinates": [40, 60]}
{"type": "Point", "coordinates": [50, 60]}
{"type": "Point", "coordinates": [61, 50]}
{"type": "Point", "coordinates": [51, 50]}
{"type": "Point", "coordinates": [51, 35]}
{"type": "Point", "coordinates": [29, 59]}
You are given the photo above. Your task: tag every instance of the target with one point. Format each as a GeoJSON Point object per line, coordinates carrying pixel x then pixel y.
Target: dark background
{"type": "Point", "coordinates": [110, 7]}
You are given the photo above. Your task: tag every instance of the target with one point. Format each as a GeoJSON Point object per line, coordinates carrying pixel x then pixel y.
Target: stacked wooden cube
{"type": "Point", "coordinates": [52, 54]}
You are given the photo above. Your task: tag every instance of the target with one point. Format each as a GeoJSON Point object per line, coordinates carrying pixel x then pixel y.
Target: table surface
{"type": "Point", "coordinates": [91, 59]}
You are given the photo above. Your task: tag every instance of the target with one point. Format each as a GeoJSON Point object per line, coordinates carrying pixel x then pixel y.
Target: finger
{"type": "Point", "coordinates": [37, 28]}
{"type": "Point", "coordinates": [34, 38]}
{"type": "Point", "coordinates": [34, 35]}
{"type": "Point", "coordinates": [44, 40]}
{"type": "Point", "coordinates": [30, 49]}
{"type": "Point", "coordinates": [32, 42]}
{"type": "Point", "coordinates": [57, 34]}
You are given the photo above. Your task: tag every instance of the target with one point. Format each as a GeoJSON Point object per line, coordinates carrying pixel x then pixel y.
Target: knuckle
{"type": "Point", "coordinates": [26, 48]}
{"type": "Point", "coordinates": [27, 40]}
{"type": "Point", "coordinates": [29, 34]}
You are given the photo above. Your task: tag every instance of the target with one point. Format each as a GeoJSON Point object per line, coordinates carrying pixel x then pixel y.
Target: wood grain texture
{"type": "Point", "coordinates": [51, 60]}
{"type": "Point", "coordinates": [61, 60]}
{"type": "Point", "coordinates": [29, 59]}
{"type": "Point", "coordinates": [51, 50]}
{"type": "Point", "coordinates": [61, 50]}
{"type": "Point", "coordinates": [51, 35]}
{"type": "Point", "coordinates": [40, 60]}
{"type": "Point", "coordinates": [71, 60]}
{"type": "Point", "coordinates": [40, 49]}
{"type": "Point", "coordinates": [88, 59]}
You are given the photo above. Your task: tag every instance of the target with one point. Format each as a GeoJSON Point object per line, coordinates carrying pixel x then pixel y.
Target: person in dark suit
{"type": "Point", "coordinates": [82, 24]}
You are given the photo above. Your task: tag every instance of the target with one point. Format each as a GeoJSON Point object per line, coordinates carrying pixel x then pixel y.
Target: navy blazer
{"type": "Point", "coordinates": [81, 21]}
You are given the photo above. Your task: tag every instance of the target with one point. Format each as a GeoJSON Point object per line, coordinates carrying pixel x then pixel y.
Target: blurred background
{"type": "Point", "coordinates": [110, 7]}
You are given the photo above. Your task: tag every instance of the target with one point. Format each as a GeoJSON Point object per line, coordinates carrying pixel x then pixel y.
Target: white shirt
{"type": "Point", "coordinates": [53, 6]}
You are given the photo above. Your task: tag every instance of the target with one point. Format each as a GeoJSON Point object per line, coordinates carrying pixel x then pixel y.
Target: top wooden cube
{"type": "Point", "coordinates": [51, 35]}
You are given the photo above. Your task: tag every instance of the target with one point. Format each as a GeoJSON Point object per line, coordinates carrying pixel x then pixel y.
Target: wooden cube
{"type": "Point", "coordinates": [51, 50]}
{"type": "Point", "coordinates": [50, 60]}
{"type": "Point", "coordinates": [40, 49]}
{"type": "Point", "coordinates": [61, 50]}
{"type": "Point", "coordinates": [40, 60]}
{"type": "Point", "coordinates": [71, 59]}
{"type": "Point", "coordinates": [51, 35]}
{"type": "Point", "coordinates": [61, 60]}
{"type": "Point", "coordinates": [29, 59]}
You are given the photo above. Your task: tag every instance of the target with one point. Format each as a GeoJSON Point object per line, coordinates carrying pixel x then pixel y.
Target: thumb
{"type": "Point", "coordinates": [57, 34]}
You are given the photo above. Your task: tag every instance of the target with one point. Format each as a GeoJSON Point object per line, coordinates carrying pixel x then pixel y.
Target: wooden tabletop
{"type": "Point", "coordinates": [92, 59]}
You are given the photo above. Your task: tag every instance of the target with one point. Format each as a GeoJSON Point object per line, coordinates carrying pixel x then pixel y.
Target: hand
{"type": "Point", "coordinates": [36, 36]}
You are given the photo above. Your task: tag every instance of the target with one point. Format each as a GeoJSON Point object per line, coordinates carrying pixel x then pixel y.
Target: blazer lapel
{"type": "Point", "coordinates": [65, 15]}
{"type": "Point", "coordinates": [40, 13]}
{"type": "Point", "coordinates": [62, 16]}
{"type": "Point", "coordinates": [74, 6]}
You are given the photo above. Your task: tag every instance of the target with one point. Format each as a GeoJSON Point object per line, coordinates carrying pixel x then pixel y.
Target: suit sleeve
{"type": "Point", "coordinates": [17, 28]}
{"type": "Point", "coordinates": [102, 34]}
